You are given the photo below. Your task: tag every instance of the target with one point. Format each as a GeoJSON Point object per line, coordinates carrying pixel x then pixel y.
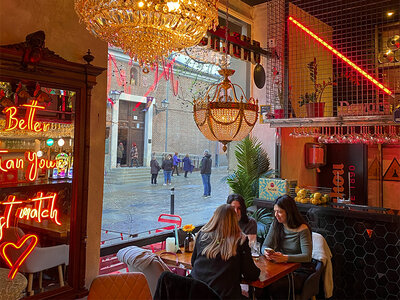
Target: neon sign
{"type": "Point", "coordinates": [24, 255]}
{"type": "Point", "coordinates": [34, 164]}
{"type": "Point", "coordinates": [44, 208]}
{"type": "Point", "coordinates": [28, 122]}
{"type": "Point", "coordinates": [340, 55]}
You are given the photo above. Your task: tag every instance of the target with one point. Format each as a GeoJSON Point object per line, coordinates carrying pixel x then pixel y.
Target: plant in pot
{"type": "Point", "coordinates": [253, 163]}
{"type": "Point", "coordinates": [264, 218]}
{"type": "Point", "coordinates": [312, 100]}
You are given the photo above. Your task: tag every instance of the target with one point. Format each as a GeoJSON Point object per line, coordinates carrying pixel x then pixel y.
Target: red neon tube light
{"type": "Point", "coordinates": [21, 259]}
{"type": "Point", "coordinates": [340, 55]}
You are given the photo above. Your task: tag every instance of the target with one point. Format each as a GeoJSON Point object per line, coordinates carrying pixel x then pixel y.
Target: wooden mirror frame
{"type": "Point", "coordinates": [31, 61]}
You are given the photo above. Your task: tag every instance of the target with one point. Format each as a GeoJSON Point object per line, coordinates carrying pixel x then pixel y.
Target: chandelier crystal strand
{"type": "Point", "coordinates": [146, 30]}
{"type": "Point", "coordinates": [220, 115]}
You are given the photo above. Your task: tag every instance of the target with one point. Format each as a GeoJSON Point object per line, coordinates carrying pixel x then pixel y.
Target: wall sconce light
{"type": "Point", "coordinates": [114, 96]}
{"type": "Point", "coordinates": [164, 106]}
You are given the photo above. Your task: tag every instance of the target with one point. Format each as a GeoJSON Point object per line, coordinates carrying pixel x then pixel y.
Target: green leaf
{"type": "Point", "coordinates": [253, 162]}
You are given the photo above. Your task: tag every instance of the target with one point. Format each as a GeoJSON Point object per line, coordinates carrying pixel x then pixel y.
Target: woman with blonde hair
{"type": "Point", "coordinates": [221, 256]}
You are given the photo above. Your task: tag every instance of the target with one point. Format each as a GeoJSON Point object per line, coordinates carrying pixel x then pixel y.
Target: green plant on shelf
{"type": "Point", "coordinates": [316, 95]}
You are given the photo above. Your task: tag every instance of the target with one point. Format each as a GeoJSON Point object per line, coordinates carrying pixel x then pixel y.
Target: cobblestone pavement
{"type": "Point", "coordinates": [134, 208]}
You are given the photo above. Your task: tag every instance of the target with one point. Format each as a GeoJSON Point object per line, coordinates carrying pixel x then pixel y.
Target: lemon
{"type": "Point", "coordinates": [304, 200]}
{"type": "Point", "coordinates": [317, 195]}
{"type": "Point", "coordinates": [302, 193]}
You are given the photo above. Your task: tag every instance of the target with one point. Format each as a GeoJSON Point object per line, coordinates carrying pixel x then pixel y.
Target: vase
{"type": "Point", "coordinates": [188, 243]}
{"type": "Point", "coordinates": [315, 110]}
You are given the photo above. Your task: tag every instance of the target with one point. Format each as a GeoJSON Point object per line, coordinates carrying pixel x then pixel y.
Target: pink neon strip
{"type": "Point", "coordinates": [344, 58]}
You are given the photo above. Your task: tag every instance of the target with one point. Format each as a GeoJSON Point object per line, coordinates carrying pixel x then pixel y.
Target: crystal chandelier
{"type": "Point", "coordinates": [203, 55]}
{"type": "Point", "coordinates": [221, 116]}
{"type": "Point", "coordinates": [149, 30]}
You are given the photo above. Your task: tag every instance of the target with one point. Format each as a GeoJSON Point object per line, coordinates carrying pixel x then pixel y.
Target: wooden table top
{"type": "Point", "coordinates": [270, 271]}
{"type": "Point", "coordinates": [184, 258]}
{"type": "Point", "coordinates": [48, 227]}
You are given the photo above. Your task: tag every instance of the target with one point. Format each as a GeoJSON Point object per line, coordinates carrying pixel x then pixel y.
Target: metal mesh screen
{"type": "Point", "coordinates": [333, 58]}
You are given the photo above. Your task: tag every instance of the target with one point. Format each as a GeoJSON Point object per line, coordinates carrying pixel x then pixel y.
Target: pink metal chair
{"type": "Point", "coordinates": [170, 219]}
{"type": "Point", "coordinates": [175, 220]}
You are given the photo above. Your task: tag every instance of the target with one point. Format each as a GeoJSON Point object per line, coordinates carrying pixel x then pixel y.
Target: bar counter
{"type": "Point", "coordinates": [365, 243]}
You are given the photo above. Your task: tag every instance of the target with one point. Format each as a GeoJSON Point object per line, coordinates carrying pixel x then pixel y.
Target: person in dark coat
{"type": "Point", "coordinates": [171, 287]}
{"type": "Point", "coordinates": [167, 167]}
{"type": "Point", "coordinates": [221, 256]}
{"type": "Point", "coordinates": [187, 165]}
{"type": "Point", "coordinates": [175, 163]}
{"type": "Point", "coordinates": [154, 169]}
{"type": "Point", "coordinates": [205, 171]}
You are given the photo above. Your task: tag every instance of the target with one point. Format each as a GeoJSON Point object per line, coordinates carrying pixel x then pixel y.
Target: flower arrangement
{"type": "Point", "coordinates": [188, 243]}
{"type": "Point", "coordinates": [316, 96]}
{"type": "Point", "coordinates": [188, 228]}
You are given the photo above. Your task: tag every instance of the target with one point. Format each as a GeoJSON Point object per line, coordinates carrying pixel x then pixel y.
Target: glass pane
{"type": "Point", "coordinates": [36, 170]}
{"type": "Point", "coordinates": [150, 115]}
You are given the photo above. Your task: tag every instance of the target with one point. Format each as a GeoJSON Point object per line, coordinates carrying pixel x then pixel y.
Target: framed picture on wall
{"type": "Point", "coordinates": [265, 113]}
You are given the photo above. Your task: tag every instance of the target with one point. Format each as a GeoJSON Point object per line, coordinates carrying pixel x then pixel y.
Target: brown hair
{"type": "Point", "coordinates": [221, 233]}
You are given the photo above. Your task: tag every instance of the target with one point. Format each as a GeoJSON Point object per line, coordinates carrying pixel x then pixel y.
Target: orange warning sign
{"type": "Point", "coordinates": [393, 172]}
{"type": "Point", "coordinates": [373, 170]}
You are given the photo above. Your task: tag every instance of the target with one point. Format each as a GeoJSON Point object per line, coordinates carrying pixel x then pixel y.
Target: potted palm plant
{"type": "Point", "coordinates": [253, 163]}
{"type": "Point", "coordinates": [314, 106]}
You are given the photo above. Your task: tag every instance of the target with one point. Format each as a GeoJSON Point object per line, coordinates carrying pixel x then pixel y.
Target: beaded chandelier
{"type": "Point", "coordinates": [149, 30]}
{"type": "Point", "coordinates": [221, 116]}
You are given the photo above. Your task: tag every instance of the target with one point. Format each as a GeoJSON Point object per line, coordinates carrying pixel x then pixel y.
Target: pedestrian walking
{"type": "Point", "coordinates": [154, 169]}
{"type": "Point", "coordinates": [187, 165]}
{"type": "Point", "coordinates": [120, 153]}
{"type": "Point", "coordinates": [176, 162]}
{"type": "Point", "coordinates": [134, 155]}
{"type": "Point", "coordinates": [167, 165]}
{"type": "Point", "coordinates": [205, 171]}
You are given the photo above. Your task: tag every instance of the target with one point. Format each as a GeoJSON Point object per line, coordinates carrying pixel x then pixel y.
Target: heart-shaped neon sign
{"type": "Point", "coordinates": [29, 239]}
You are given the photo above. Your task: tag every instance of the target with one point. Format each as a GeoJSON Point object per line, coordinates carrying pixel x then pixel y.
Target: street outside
{"type": "Point", "coordinates": [134, 208]}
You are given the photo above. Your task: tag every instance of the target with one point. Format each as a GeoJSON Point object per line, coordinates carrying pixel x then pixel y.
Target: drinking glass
{"type": "Point", "coordinates": [255, 249]}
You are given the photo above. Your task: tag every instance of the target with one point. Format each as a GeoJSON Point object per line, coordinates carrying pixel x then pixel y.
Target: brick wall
{"type": "Point", "coordinates": [183, 134]}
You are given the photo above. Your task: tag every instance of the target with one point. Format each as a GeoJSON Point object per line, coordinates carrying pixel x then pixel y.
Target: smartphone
{"type": "Point", "coordinates": [269, 251]}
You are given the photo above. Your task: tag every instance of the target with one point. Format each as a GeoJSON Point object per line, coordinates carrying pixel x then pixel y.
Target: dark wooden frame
{"type": "Point", "coordinates": [50, 70]}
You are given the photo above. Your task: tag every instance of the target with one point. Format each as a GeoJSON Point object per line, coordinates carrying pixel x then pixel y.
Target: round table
{"type": "Point", "coordinates": [12, 289]}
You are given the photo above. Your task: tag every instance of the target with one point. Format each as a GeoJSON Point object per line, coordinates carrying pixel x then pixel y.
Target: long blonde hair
{"type": "Point", "coordinates": [221, 233]}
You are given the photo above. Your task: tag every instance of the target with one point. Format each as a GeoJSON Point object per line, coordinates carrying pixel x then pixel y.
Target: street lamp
{"type": "Point", "coordinates": [164, 106]}
{"type": "Point", "coordinates": [114, 95]}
